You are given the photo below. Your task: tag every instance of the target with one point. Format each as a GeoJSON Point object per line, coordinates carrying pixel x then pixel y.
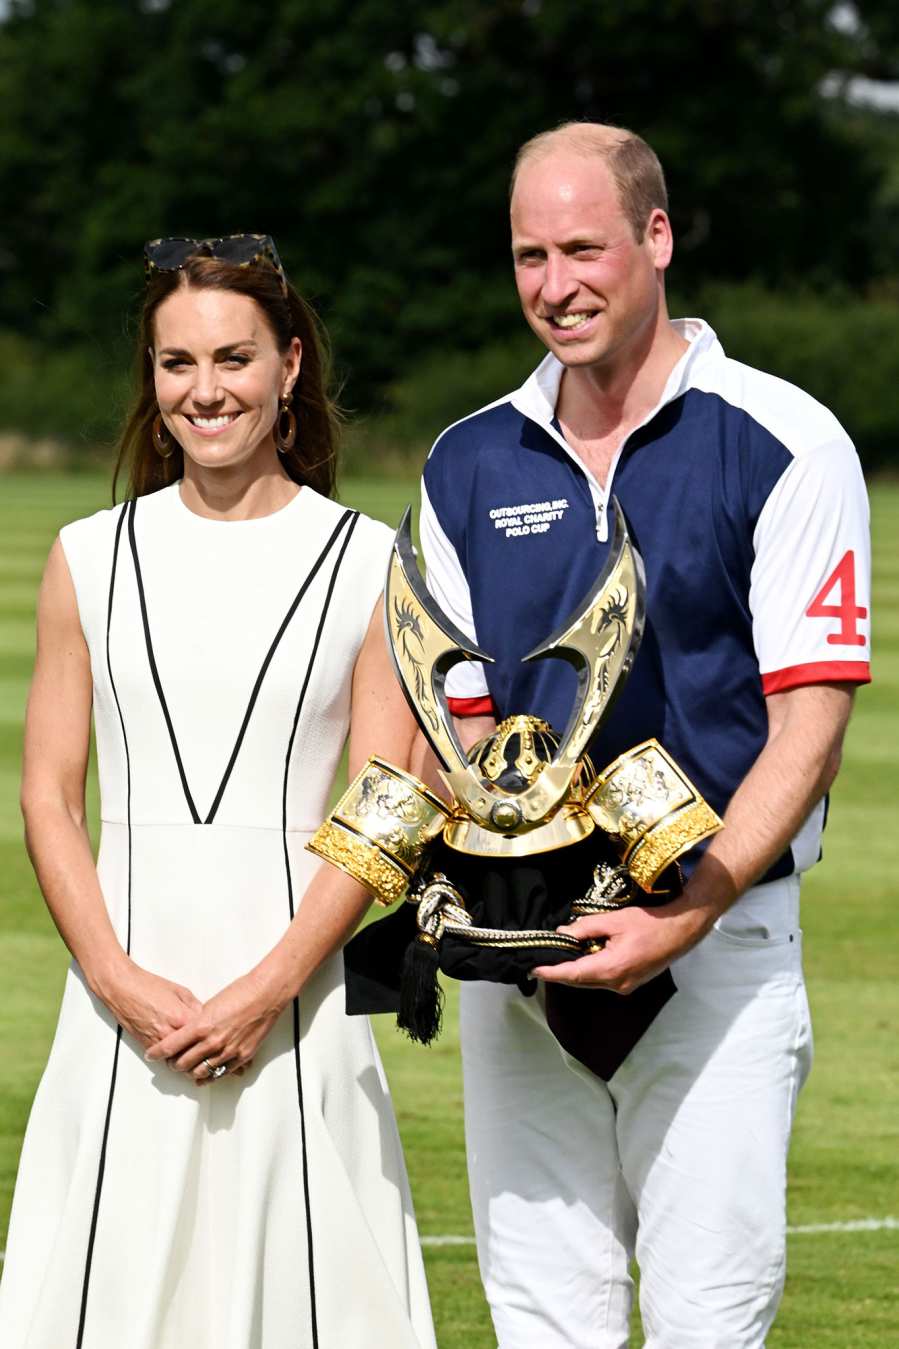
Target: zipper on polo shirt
{"type": "Point", "coordinates": [602, 506]}
{"type": "Point", "coordinates": [599, 494]}
{"type": "Point", "coordinates": [598, 499]}
{"type": "Point", "coordinates": [602, 527]}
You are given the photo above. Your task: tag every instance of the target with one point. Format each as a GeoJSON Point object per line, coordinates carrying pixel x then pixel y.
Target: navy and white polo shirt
{"type": "Point", "coordinates": [745, 498]}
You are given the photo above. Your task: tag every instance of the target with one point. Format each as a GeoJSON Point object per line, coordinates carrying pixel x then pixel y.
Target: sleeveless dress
{"type": "Point", "coordinates": [272, 1210]}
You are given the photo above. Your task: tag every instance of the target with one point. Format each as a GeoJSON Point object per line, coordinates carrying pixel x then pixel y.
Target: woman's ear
{"type": "Point", "coordinates": [293, 359]}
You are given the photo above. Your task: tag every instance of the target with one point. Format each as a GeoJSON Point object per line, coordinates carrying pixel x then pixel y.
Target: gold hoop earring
{"type": "Point", "coordinates": [285, 427]}
{"type": "Point", "coordinates": [162, 441]}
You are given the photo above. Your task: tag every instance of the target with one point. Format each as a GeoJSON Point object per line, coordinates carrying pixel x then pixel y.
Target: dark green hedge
{"type": "Point", "coordinates": [842, 349]}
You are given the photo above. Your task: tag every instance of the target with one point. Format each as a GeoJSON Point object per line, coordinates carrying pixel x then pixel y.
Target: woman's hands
{"type": "Point", "coordinates": [148, 1006]}
{"type": "Point", "coordinates": [228, 1029]}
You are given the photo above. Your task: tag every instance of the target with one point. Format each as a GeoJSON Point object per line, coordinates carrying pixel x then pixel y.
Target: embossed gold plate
{"type": "Point", "coordinates": [649, 806]}
{"type": "Point", "coordinates": [380, 828]}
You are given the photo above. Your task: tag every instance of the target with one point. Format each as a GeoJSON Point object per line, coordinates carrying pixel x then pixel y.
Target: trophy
{"type": "Point", "coordinates": [530, 836]}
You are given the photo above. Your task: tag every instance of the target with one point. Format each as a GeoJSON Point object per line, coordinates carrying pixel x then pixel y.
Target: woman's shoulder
{"type": "Point", "coordinates": [370, 536]}
{"type": "Point", "coordinates": [92, 535]}
{"type": "Point", "coordinates": [89, 547]}
{"type": "Point", "coordinates": [376, 534]}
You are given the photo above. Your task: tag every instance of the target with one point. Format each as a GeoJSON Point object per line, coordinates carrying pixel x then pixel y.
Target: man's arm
{"type": "Point", "coordinates": [810, 542]}
{"type": "Point", "coordinates": [800, 760]}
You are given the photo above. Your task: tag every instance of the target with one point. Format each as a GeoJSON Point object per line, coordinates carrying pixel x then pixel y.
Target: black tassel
{"type": "Point", "coordinates": [421, 997]}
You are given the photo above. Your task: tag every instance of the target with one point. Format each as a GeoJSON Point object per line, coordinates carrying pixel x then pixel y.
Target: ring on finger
{"type": "Point", "coordinates": [213, 1071]}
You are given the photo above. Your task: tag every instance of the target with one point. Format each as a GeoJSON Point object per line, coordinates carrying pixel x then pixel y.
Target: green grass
{"type": "Point", "coordinates": [841, 1289]}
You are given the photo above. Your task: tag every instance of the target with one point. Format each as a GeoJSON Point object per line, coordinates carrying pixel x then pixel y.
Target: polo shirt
{"type": "Point", "coordinates": [746, 501]}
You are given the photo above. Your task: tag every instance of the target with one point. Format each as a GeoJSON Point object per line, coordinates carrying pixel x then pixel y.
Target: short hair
{"type": "Point", "coordinates": [634, 165]}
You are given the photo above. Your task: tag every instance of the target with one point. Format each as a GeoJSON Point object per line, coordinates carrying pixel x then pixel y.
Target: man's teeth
{"type": "Point", "coordinates": [571, 320]}
{"type": "Point", "coordinates": [214, 423]}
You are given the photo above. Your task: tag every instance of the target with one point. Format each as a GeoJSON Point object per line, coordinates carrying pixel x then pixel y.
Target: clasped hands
{"type": "Point", "coordinates": [193, 1037]}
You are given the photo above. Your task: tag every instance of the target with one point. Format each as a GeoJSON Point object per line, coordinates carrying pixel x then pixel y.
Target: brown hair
{"type": "Point", "coordinates": [633, 164]}
{"type": "Point", "coordinates": [313, 459]}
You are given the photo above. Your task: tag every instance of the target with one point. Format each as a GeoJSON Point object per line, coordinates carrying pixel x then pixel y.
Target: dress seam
{"type": "Point", "coordinates": [101, 1166]}
{"type": "Point", "coordinates": [353, 518]}
{"type": "Point", "coordinates": [260, 677]}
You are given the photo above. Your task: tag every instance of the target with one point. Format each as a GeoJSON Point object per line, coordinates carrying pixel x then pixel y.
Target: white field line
{"type": "Point", "coordinates": [803, 1230]}
{"type": "Point", "coordinates": [855, 1225]}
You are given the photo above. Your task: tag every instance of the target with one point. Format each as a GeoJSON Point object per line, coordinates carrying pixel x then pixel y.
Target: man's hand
{"type": "Point", "coordinates": [797, 765]}
{"type": "Point", "coordinates": [228, 1029]}
{"type": "Point", "coordinates": [637, 944]}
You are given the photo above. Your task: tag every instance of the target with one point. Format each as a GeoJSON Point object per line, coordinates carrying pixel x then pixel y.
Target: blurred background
{"type": "Point", "coordinates": [373, 140]}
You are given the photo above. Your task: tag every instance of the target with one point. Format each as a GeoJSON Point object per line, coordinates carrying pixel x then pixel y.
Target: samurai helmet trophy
{"type": "Point", "coordinates": [520, 791]}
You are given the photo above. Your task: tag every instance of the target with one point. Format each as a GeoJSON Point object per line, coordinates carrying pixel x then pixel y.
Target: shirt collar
{"type": "Point", "coordinates": [537, 397]}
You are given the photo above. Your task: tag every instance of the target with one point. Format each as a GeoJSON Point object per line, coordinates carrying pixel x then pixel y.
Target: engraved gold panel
{"type": "Point", "coordinates": [665, 843]}
{"type": "Point", "coordinates": [380, 828]}
{"type": "Point", "coordinates": [651, 809]}
{"type": "Point", "coordinates": [601, 642]}
{"type": "Point", "coordinates": [394, 810]}
{"type": "Point", "coordinates": [421, 648]}
{"type": "Point", "coordinates": [640, 788]}
{"type": "Point", "coordinates": [361, 859]}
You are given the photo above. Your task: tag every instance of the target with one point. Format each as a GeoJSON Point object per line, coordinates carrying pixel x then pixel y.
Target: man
{"type": "Point", "coordinates": [746, 501]}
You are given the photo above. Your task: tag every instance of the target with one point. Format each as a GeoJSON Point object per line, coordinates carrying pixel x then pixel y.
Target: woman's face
{"type": "Point", "coordinates": [219, 376]}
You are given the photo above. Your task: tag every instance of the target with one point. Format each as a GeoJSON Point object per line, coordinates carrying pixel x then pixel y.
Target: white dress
{"type": "Point", "coordinates": [269, 1211]}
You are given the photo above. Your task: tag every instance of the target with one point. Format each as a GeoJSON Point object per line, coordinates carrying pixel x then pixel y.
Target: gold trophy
{"type": "Point", "coordinates": [523, 802]}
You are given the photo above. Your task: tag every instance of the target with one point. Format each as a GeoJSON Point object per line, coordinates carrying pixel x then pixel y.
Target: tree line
{"type": "Point", "coordinates": [374, 142]}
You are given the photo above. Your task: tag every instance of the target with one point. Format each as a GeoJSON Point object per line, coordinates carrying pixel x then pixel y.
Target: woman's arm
{"type": "Point", "coordinates": [232, 1025]}
{"type": "Point", "coordinates": [57, 739]}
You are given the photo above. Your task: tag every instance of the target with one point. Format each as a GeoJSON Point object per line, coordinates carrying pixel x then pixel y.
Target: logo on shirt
{"type": "Point", "coordinates": [531, 517]}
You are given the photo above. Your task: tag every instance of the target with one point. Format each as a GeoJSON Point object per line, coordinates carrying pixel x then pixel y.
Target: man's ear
{"type": "Point", "coordinates": [659, 238]}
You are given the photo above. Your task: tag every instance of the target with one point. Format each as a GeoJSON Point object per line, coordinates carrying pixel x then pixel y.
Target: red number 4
{"type": "Point", "coordinates": [847, 611]}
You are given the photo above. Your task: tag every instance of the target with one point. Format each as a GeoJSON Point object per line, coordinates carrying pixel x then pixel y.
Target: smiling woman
{"type": "Point", "coordinates": [203, 356]}
{"type": "Point", "coordinates": [212, 1158]}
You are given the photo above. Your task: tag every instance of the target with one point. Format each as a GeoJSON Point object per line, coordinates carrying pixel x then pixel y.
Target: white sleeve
{"type": "Point", "coordinates": [447, 583]}
{"type": "Point", "coordinates": [810, 586]}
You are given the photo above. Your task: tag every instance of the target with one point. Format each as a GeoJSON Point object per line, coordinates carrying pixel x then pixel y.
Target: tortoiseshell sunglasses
{"type": "Point", "coordinates": [243, 250]}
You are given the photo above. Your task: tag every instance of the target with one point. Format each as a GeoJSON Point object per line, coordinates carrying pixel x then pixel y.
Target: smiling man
{"type": "Point", "coordinates": [746, 501]}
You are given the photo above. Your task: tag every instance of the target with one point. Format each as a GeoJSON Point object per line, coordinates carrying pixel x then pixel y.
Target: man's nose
{"type": "Point", "coordinates": [559, 282]}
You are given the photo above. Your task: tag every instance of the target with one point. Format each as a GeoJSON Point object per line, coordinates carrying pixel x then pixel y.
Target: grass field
{"type": "Point", "coordinates": [842, 1285]}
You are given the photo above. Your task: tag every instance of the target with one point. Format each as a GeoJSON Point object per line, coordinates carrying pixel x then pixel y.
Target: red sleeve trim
{"type": "Point", "coordinates": [821, 672]}
{"type": "Point", "coordinates": [472, 707]}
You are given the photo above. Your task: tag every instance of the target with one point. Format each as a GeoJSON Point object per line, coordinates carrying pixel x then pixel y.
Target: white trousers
{"type": "Point", "coordinates": [680, 1159]}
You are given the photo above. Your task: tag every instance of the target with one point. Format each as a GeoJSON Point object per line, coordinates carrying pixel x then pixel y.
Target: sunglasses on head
{"type": "Point", "coordinates": [242, 250]}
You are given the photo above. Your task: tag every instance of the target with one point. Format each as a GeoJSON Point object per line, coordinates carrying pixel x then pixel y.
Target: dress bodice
{"type": "Point", "coordinates": [222, 655]}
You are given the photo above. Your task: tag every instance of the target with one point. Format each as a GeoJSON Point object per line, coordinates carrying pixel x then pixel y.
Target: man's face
{"type": "Point", "coordinates": [590, 292]}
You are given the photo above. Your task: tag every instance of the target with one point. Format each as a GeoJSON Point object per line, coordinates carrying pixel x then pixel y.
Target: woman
{"type": "Point", "coordinates": [212, 1160]}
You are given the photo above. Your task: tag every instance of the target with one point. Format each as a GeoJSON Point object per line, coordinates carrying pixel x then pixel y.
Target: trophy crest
{"type": "Point", "coordinates": [599, 640]}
